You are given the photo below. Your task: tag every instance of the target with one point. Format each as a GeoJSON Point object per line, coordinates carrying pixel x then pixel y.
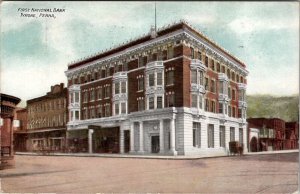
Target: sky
{"type": "Point", "coordinates": [35, 52]}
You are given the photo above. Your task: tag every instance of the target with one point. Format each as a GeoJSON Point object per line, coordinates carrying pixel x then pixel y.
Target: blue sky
{"type": "Point", "coordinates": [35, 52]}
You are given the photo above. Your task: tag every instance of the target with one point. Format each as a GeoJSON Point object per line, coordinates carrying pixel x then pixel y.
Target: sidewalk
{"type": "Point", "coordinates": [180, 157]}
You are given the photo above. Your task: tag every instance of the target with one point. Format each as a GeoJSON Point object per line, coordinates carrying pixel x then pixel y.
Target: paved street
{"type": "Point", "coordinates": [276, 173]}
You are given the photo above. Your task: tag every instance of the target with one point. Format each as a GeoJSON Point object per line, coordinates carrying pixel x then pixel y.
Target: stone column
{"type": "Point", "coordinates": [90, 140]}
{"type": "Point", "coordinates": [132, 137]}
{"type": "Point", "coordinates": [161, 137]}
{"type": "Point", "coordinates": [121, 140]}
{"type": "Point", "coordinates": [173, 137]}
{"type": "Point", "coordinates": [141, 137]}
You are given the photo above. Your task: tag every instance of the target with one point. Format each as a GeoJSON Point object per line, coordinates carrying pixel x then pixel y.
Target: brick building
{"type": "Point", "coordinates": [173, 91]}
{"type": "Point", "coordinates": [43, 123]}
{"type": "Point", "coordinates": [8, 105]}
{"type": "Point", "coordinates": [20, 135]}
{"type": "Point", "coordinates": [274, 133]}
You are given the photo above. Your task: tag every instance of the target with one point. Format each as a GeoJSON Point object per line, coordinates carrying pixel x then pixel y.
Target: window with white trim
{"type": "Point", "coordinates": [194, 100]}
{"type": "Point", "coordinates": [170, 99]}
{"type": "Point", "coordinates": [116, 108]}
{"type": "Point", "coordinates": [159, 102]}
{"type": "Point", "coordinates": [159, 78]}
{"type": "Point", "coordinates": [123, 108]}
{"type": "Point", "coordinates": [232, 134]}
{"type": "Point", "coordinates": [140, 82]}
{"type": "Point", "coordinates": [141, 104]}
{"type": "Point", "coordinates": [123, 87]}
{"type": "Point", "coordinates": [170, 76]}
{"type": "Point", "coordinates": [222, 136]}
{"type": "Point", "coordinates": [194, 76]}
{"type": "Point", "coordinates": [196, 134]}
{"type": "Point", "coordinates": [151, 79]}
{"type": "Point", "coordinates": [210, 136]}
{"type": "Point", "coordinates": [151, 102]}
{"type": "Point", "coordinates": [117, 88]}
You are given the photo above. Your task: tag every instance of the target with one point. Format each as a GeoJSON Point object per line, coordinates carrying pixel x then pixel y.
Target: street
{"type": "Point", "coordinates": [274, 173]}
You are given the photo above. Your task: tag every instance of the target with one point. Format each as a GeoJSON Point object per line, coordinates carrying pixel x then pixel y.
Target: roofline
{"type": "Point", "coordinates": [145, 38]}
{"type": "Point", "coordinates": [10, 97]}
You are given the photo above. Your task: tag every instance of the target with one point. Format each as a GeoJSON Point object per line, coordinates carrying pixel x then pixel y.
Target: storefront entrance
{"type": "Point", "coordinates": [155, 144]}
{"type": "Point", "coordinates": [106, 140]}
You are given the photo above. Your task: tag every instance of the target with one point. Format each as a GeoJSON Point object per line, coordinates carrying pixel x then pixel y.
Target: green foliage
{"type": "Point", "coordinates": [284, 107]}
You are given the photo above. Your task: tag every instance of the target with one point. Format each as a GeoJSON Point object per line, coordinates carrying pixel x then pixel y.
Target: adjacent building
{"type": "Point", "coordinates": [43, 122]}
{"type": "Point", "coordinates": [8, 105]}
{"type": "Point", "coordinates": [20, 135]}
{"type": "Point", "coordinates": [274, 134]}
{"type": "Point", "coordinates": [173, 91]}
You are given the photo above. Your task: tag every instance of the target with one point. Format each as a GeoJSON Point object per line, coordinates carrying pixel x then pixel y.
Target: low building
{"type": "Point", "coordinates": [274, 134]}
{"type": "Point", "coordinates": [20, 135]}
{"type": "Point", "coordinates": [8, 105]}
{"type": "Point", "coordinates": [46, 122]}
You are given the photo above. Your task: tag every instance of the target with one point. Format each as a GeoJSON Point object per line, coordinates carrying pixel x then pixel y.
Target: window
{"type": "Point", "coordinates": [220, 87]}
{"type": "Point", "coordinates": [194, 100]}
{"type": "Point", "coordinates": [170, 99]}
{"type": "Point", "coordinates": [192, 53]}
{"type": "Point", "coordinates": [117, 88]}
{"type": "Point", "coordinates": [196, 134]}
{"type": "Point", "coordinates": [206, 61]}
{"type": "Point", "coordinates": [92, 95]}
{"type": "Point", "coordinates": [100, 93]}
{"type": "Point", "coordinates": [199, 55]}
{"type": "Point", "coordinates": [194, 76]}
{"type": "Point", "coordinates": [220, 107]}
{"type": "Point", "coordinates": [213, 106]}
{"type": "Point", "coordinates": [233, 112]}
{"type": "Point", "coordinates": [212, 86]}
{"type": "Point", "coordinates": [233, 94]}
{"type": "Point", "coordinates": [218, 67]}
{"type": "Point", "coordinates": [229, 111]}
{"type": "Point", "coordinates": [142, 61]}
{"type": "Point", "coordinates": [92, 113]}
{"type": "Point", "coordinates": [200, 102]}
{"type": "Point", "coordinates": [170, 52]}
{"type": "Point", "coordinates": [123, 87]}
{"type": "Point", "coordinates": [117, 109]}
{"type": "Point", "coordinates": [85, 116]}
{"type": "Point", "coordinates": [76, 97]}
{"type": "Point", "coordinates": [239, 113]}
{"type": "Point", "coordinates": [140, 83]}
{"type": "Point", "coordinates": [107, 91]}
{"type": "Point", "coordinates": [212, 64]}
{"type": "Point", "coordinates": [241, 135]}
{"type": "Point", "coordinates": [170, 77]}
{"type": "Point", "coordinates": [232, 76]}
{"type": "Point", "coordinates": [71, 98]}
{"type": "Point", "coordinates": [210, 136]}
{"type": "Point", "coordinates": [151, 79]}
{"type": "Point", "coordinates": [201, 77]}
{"type": "Point", "coordinates": [222, 136]}
{"type": "Point", "coordinates": [85, 97]}
{"type": "Point", "coordinates": [206, 83]}
{"type": "Point", "coordinates": [228, 73]}
{"type": "Point", "coordinates": [100, 111]}
{"type": "Point", "coordinates": [159, 78]}
{"type": "Point", "coordinates": [206, 104]}
{"type": "Point", "coordinates": [241, 95]}
{"type": "Point", "coordinates": [151, 102]}
{"type": "Point", "coordinates": [232, 134]}
{"type": "Point", "coordinates": [107, 109]}
{"type": "Point", "coordinates": [123, 108]}
{"type": "Point", "coordinates": [141, 104]}
{"type": "Point", "coordinates": [159, 102]}
{"type": "Point", "coordinates": [229, 92]}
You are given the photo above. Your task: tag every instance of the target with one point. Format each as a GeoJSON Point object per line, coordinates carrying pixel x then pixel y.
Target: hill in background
{"type": "Point", "coordinates": [285, 107]}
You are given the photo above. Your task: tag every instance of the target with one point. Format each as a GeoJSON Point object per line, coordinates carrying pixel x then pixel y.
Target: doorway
{"type": "Point", "coordinates": [155, 144]}
{"type": "Point", "coordinates": [126, 141]}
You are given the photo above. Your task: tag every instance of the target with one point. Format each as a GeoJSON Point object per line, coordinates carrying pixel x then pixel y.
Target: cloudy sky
{"type": "Point", "coordinates": [35, 52]}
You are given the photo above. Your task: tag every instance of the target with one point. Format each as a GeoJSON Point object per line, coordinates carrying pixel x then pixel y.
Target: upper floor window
{"type": "Point", "coordinates": [170, 77]}
{"type": "Point", "coordinates": [199, 55]}
{"type": "Point", "coordinates": [220, 107]}
{"type": "Point", "coordinates": [151, 79]}
{"type": "Point", "coordinates": [237, 78]}
{"type": "Point", "coordinates": [151, 102]}
{"type": "Point", "coordinates": [140, 83]}
{"type": "Point", "coordinates": [92, 95]}
{"type": "Point", "coordinates": [228, 73]}
{"type": "Point", "coordinates": [85, 97]}
{"type": "Point", "coordinates": [142, 61]}
{"type": "Point", "coordinates": [233, 94]}
{"type": "Point", "coordinates": [159, 78]}
{"type": "Point", "coordinates": [206, 83]}
{"type": "Point", "coordinates": [232, 76]}
{"type": "Point", "coordinates": [194, 76]}
{"type": "Point", "coordinates": [116, 108]}
{"type": "Point", "coordinates": [92, 113]}
{"type": "Point", "coordinates": [212, 86]}
{"type": "Point", "coordinates": [192, 53]}
{"type": "Point", "coordinates": [201, 76]}
{"type": "Point", "coordinates": [76, 97]}
{"type": "Point", "coordinates": [170, 52]}
{"type": "Point", "coordinates": [123, 108]}
{"type": "Point", "coordinates": [212, 64]}
{"type": "Point", "coordinates": [99, 111]}
{"type": "Point", "coordinates": [107, 109]}
{"type": "Point", "coordinates": [229, 92]}
{"type": "Point", "coordinates": [170, 99]}
{"type": "Point", "coordinates": [141, 104]}
{"type": "Point", "coordinates": [123, 87]}
{"type": "Point", "coordinates": [229, 111]}
{"type": "Point", "coordinates": [223, 69]}
{"type": "Point", "coordinates": [206, 105]}
{"type": "Point", "coordinates": [159, 100]}
{"type": "Point", "coordinates": [194, 100]}
{"type": "Point", "coordinates": [213, 106]}
{"type": "Point", "coordinates": [100, 93]}
{"type": "Point", "coordinates": [218, 67]}
{"type": "Point", "coordinates": [107, 91]}
{"type": "Point", "coordinates": [206, 61]}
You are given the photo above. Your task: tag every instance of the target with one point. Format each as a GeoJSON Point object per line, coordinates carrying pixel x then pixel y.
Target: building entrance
{"type": "Point", "coordinates": [126, 141]}
{"type": "Point", "coordinates": [155, 144]}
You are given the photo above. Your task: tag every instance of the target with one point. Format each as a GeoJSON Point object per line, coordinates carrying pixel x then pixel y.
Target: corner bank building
{"type": "Point", "coordinates": [171, 92]}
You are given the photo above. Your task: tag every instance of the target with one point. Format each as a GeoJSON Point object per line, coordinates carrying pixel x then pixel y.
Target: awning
{"type": "Point", "coordinates": [39, 131]}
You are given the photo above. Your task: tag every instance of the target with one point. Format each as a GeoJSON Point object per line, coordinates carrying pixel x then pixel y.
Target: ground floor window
{"type": "Point", "coordinates": [210, 136]}
{"type": "Point", "coordinates": [196, 134]}
{"type": "Point", "coordinates": [222, 136]}
{"type": "Point", "coordinates": [232, 133]}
